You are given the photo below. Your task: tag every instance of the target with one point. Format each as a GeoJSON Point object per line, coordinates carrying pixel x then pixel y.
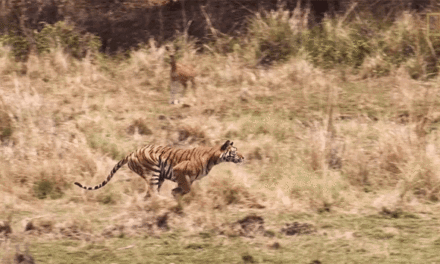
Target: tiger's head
{"type": "Point", "coordinates": [229, 153]}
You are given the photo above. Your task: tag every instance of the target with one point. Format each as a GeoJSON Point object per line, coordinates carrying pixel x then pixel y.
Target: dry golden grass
{"type": "Point", "coordinates": [376, 146]}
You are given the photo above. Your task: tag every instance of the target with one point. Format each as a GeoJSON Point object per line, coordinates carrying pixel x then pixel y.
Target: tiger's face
{"type": "Point", "coordinates": [230, 153]}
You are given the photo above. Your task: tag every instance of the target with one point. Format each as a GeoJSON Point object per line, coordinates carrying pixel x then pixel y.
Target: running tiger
{"type": "Point", "coordinates": [183, 166]}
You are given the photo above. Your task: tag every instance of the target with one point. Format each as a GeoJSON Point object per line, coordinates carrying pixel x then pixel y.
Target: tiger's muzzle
{"type": "Point", "coordinates": [237, 158]}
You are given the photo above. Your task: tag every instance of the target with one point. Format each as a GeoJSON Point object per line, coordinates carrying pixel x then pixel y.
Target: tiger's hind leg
{"type": "Point", "coordinates": [149, 189]}
{"type": "Point", "coordinates": [155, 184]}
{"type": "Point", "coordinates": [184, 174]}
{"type": "Point", "coordinates": [183, 179]}
{"type": "Point", "coordinates": [183, 187]}
{"type": "Point", "coordinates": [153, 187]}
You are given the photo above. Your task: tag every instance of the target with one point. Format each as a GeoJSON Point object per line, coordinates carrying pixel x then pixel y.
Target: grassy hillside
{"type": "Point", "coordinates": [341, 151]}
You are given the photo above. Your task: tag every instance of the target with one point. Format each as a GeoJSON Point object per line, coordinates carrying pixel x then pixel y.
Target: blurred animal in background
{"type": "Point", "coordinates": [183, 166]}
{"type": "Point", "coordinates": [23, 257]}
{"type": "Point", "coordinates": [180, 75]}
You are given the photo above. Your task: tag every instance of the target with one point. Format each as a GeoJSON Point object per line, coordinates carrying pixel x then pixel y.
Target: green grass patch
{"type": "Point", "coordinates": [99, 142]}
{"type": "Point", "coordinates": [47, 188]}
{"type": "Point", "coordinates": [340, 238]}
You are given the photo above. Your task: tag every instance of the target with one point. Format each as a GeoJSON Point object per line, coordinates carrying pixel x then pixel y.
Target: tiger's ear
{"type": "Point", "coordinates": [226, 145]}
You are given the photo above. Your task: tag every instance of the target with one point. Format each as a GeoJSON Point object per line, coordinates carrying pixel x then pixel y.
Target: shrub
{"type": "Point", "coordinates": [6, 128]}
{"type": "Point", "coordinates": [192, 134]}
{"type": "Point", "coordinates": [338, 43]}
{"type": "Point", "coordinates": [139, 125]}
{"type": "Point", "coordinates": [385, 43]}
{"type": "Point", "coordinates": [402, 43]}
{"type": "Point", "coordinates": [44, 188]}
{"type": "Point", "coordinates": [227, 192]}
{"type": "Point", "coordinates": [58, 35]}
{"type": "Point", "coordinates": [274, 36]}
{"type": "Point", "coordinates": [99, 142]}
{"type": "Point", "coordinates": [107, 198]}
{"type": "Point", "coordinates": [19, 45]}
{"type": "Point", "coordinates": [65, 36]}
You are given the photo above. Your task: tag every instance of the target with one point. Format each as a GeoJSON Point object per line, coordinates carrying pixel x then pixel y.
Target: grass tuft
{"type": "Point", "coordinates": [45, 188]}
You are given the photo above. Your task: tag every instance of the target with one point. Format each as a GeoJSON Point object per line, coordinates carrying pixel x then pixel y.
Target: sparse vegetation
{"type": "Point", "coordinates": [45, 188]}
{"type": "Point", "coordinates": [340, 137]}
{"type": "Point", "coordinates": [60, 35]}
{"type": "Point", "coordinates": [6, 127]}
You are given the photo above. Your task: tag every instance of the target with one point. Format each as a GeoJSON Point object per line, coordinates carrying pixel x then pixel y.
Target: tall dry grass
{"type": "Point", "coordinates": [312, 140]}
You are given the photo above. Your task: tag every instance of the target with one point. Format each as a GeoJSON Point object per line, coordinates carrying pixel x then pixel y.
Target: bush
{"type": "Point", "coordinates": [272, 37]}
{"type": "Point", "coordinates": [378, 45]}
{"type": "Point", "coordinates": [6, 128]}
{"type": "Point", "coordinates": [406, 43]}
{"type": "Point", "coordinates": [58, 35]}
{"type": "Point", "coordinates": [19, 45]}
{"type": "Point", "coordinates": [62, 35]}
{"type": "Point", "coordinates": [139, 125]}
{"type": "Point", "coordinates": [108, 198]}
{"type": "Point", "coordinates": [44, 188]}
{"type": "Point", "coordinates": [280, 34]}
{"type": "Point", "coordinates": [227, 192]}
{"type": "Point", "coordinates": [102, 143]}
{"type": "Point", "coordinates": [338, 43]}
{"type": "Point", "coordinates": [386, 45]}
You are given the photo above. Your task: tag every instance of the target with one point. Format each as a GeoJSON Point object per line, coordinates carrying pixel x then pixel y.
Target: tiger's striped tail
{"type": "Point", "coordinates": [109, 177]}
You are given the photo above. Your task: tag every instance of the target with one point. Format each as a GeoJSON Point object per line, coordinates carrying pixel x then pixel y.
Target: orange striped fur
{"type": "Point", "coordinates": [183, 166]}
